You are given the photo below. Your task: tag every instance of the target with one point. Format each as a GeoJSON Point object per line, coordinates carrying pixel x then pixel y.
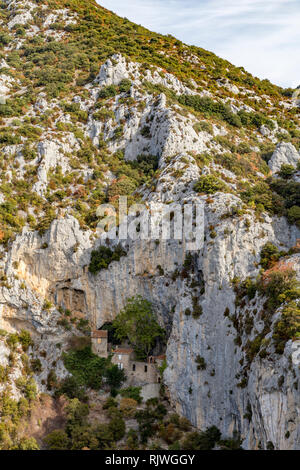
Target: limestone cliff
{"type": "Point", "coordinates": [45, 264]}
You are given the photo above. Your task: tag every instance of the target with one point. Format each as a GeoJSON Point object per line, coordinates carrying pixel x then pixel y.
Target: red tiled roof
{"type": "Point", "coordinates": [99, 334]}
{"type": "Point", "coordinates": [123, 351]}
{"type": "Point", "coordinates": [163, 356]}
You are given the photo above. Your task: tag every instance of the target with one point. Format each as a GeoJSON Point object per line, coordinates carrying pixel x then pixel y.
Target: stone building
{"type": "Point", "coordinates": [100, 343]}
{"type": "Point", "coordinates": [138, 373]}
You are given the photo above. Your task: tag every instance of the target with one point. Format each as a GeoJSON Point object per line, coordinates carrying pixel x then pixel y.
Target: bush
{"type": "Point", "coordinates": [203, 126]}
{"type": "Point", "coordinates": [103, 256]}
{"type": "Point", "coordinates": [286, 171]}
{"type": "Point", "coordinates": [170, 433]}
{"type": "Point", "coordinates": [211, 108]}
{"type": "Point", "coordinates": [86, 367]}
{"type": "Point", "coordinates": [146, 420]}
{"type": "Point", "coordinates": [36, 365]}
{"type": "Point", "coordinates": [108, 92]}
{"type": "Point", "coordinates": [132, 440]}
{"type": "Point", "coordinates": [137, 323]}
{"type": "Point", "coordinates": [128, 407]}
{"type": "Point", "coordinates": [202, 441]}
{"type": "Point", "coordinates": [201, 364]}
{"type": "Point", "coordinates": [287, 326]}
{"type": "Point", "coordinates": [269, 255]}
{"type": "Point", "coordinates": [118, 133]}
{"type": "Point", "coordinates": [72, 389]}
{"type": "Point", "coordinates": [125, 85]}
{"type": "Point", "coordinates": [104, 115]}
{"type": "Point", "coordinates": [123, 186]}
{"type": "Point", "coordinates": [115, 376]}
{"type": "Point", "coordinates": [57, 440]}
{"type": "Point", "coordinates": [262, 196]}
{"type": "Point", "coordinates": [210, 184]}
{"type": "Point", "coordinates": [110, 403]}
{"type": "Point", "coordinates": [294, 215]}
{"type": "Point", "coordinates": [117, 426]}
{"type": "Point", "coordinates": [5, 39]}
{"type": "Point", "coordinates": [280, 285]}
{"type": "Point", "coordinates": [28, 443]}
{"type": "Point", "coordinates": [132, 392]}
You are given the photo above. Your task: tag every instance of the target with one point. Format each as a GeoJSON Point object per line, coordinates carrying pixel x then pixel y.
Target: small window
{"type": "Point", "coordinates": [120, 365]}
{"type": "Point", "coordinates": [146, 368]}
{"type": "Point", "coordinates": [133, 367]}
{"type": "Point", "coordinates": [120, 357]}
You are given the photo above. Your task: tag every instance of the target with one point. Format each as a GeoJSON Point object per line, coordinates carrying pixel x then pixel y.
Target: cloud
{"type": "Point", "coordinates": [263, 36]}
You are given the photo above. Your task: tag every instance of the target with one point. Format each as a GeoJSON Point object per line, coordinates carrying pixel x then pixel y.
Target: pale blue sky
{"type": "Point", "coordinates": [261, 35]}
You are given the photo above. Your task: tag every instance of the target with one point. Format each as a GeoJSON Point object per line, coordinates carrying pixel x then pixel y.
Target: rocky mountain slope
{"type": "Point", "coordinates": [94, 107]}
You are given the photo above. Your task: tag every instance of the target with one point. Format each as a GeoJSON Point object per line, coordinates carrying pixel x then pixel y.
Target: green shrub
{"type": "Point", "coordinates": [137, 323]}
{"type": "Point", "coordinates": [28, 443]}
{"type": "Point", "coordinates": [114, 376]}
{"type": "Point", "coordinates": [146, 420]}
{"type": "Point", "coordinates": [104, 114]}
{"type": "Point", "coordinates": [203, 126]}
{"type": "Point", "coordinates": [57, 440]}
{"type": "Point", "coordinates": [117, 425]}
{"type": "Point", "coordinates": [279, 287]}
{"type": "Point", "coordinates": [262, 196]}
{"type": "Point", "coordinates": [294, 215]}
{"type": "Point", "coordinates": [5, 39]}
{"type": "Point", "coordinates": [287, 326]}
{"type": "Point", "coordinates": [269, 255]}
{"type": "Point", "coordinates": [87, 368]}
{"type": "Point", "coordinates": [125, 85]}
{"type": "Point", "coordinates": [36, 365]}
{"type": "Point", "coordinates": [210, 184]}
{"type": "Point", "coordinates": [286, 171]}
{"type": "Point", "coordinates": [71, 387]}
{"type": "Point", "coordinates": [211, 108]}
{"type": "Point", "coordinates": [103, 256]}
{"type": "Point", "coordinates": [118, 133]}
{"type": "Point", "coordinates": [108, 92]}
{"type": "Point", "coordinates": [132, 392]}
{"type": "Point", "coordinates": [123, 186]}
{"type": "Point", "coordinates": [201, 364]}
{"type": "Point", "coordinates": [205, 440]}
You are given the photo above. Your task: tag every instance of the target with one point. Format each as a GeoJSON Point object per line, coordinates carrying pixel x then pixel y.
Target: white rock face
{"type": "Point", "coordinates": [22, 18]}
{"type": "Point", "coordinates": [20, 12]}
{"type": "Point", "coordinates": [118, 68]}
{"type": "Point", "coordinates": [285, 153]}
{"type": "Point", "coordinates": [6, 83]}
{"type": "Point", "coordinates": [168, 132]}
{"type": "Point", "coordinates": [51, 154]}
{"type": "Point", "coordinates": [226, 83]}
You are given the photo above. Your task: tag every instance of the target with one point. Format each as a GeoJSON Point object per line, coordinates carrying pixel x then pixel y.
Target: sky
{"type": "Point", "coordinates": [263, 36]}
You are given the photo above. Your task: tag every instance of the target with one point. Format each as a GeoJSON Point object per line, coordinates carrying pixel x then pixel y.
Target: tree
{"type": "Point", "coordinates": [57, 440]}
{"type": "Point", "coordinates": [205, 440]}
{"type": "Point", "coordinates": [115, 376]}
{"type": "Point", "coordinates": [28, 443]}
{"type": "Point", "coordinates": [138, 325]}
{"type": "Point", "coordinates": [117, 425]}
{"type": "Point", "coordinates": [77, 413]}
{"type": "Point", "coordinates": [294, 215]}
